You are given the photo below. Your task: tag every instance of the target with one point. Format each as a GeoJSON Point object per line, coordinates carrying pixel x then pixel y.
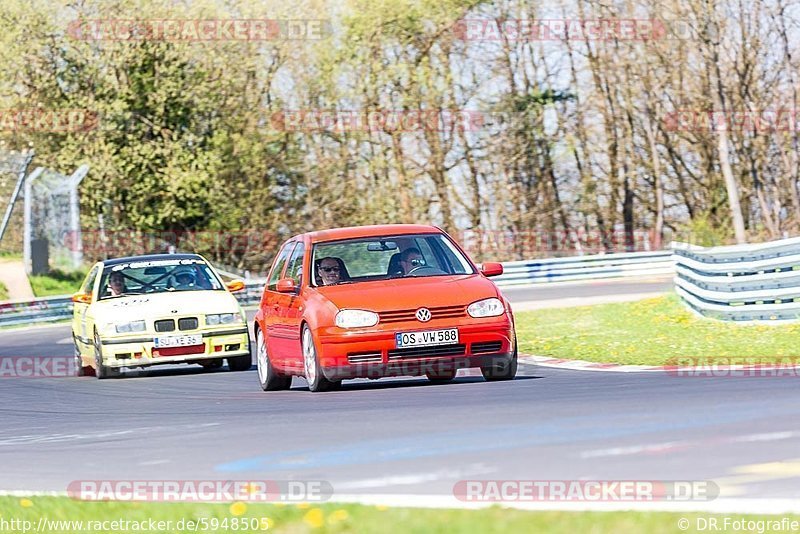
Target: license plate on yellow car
{"type": "Point", "coordinates": [177, 341]}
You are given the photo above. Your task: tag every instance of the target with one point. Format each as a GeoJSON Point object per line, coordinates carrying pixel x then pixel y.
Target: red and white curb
{"type": "Point", "coordinates": [701, 367]}
{"type": "Point", "coordinates": [583, 365]}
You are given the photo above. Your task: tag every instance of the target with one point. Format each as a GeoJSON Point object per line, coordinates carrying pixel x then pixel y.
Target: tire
{"type": "Point", "coordinates": [101, 371]}
{"type": "Point", "coordinates": [503, 371]}
{"type": "Point", "coordinates": [80, 369]}
{"type": "Point", "coordinates": [441, 377]}
{"type": "Point", "coordinates": [240, 363]}
{"type": "Point", "coordinates": [210, 365]}
{"type": "Point", "coordinates": [313, 372]}
{"type": "Point", "coordinates": [268, 377]}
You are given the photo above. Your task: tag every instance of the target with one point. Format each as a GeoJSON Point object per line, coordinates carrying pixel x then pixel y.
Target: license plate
{"type": "Point", "coordinates": [426, 338]}
{"type": "Point", "coordinates": [177, 341]}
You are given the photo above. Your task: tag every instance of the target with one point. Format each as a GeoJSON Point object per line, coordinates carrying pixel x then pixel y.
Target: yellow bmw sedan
{"type": "Point", "coordinates": [158, 309]}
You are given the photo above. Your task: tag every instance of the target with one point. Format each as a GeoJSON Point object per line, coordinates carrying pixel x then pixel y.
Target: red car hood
{"type": "Point", "coordinates": [410, 293]}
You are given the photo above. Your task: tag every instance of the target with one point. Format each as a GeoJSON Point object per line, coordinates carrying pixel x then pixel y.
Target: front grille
{"type": "Point", "coordinates": [486, 346]}
{"type": "Point", "coordinates": [364, 357]}
{"type": "Point", "coordinates": [165, 325]}
{"type": "Point", "coordinates": [437, 312]}
{"type": "Point", "coordinates": [424, 352]}
{"type": "Point", "coordinates": [187, 323]}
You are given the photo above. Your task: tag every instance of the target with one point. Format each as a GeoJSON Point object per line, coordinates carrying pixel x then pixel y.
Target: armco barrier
{"type": "Point", "coordinates": [48, 309]}
{"type": "Point", "coordinates": [516, 273]}
{"type": "Point", "coordinates": [586, 268]}
{"type": "Point", "coordinates": [759, 282]}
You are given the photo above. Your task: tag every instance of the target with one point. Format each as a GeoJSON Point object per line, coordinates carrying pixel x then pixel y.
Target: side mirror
{"type": "Point", "coordinates": [82, 298]}
{"type": "Point", "coordinates": [235, 285]}
{"type": "Point", "coordinates": [286, 285]}
{"type": "Point", "coordinates": [491, 269]}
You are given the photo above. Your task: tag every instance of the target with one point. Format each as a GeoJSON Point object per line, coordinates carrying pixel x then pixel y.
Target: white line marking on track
{"type": "Point", "coordinates": [655, 448]}
{"type": "Point", "coordinates": [416, 478]}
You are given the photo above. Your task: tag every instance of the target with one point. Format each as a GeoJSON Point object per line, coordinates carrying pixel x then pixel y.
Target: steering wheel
{"type": "Point", "coordinates": [421, 267]}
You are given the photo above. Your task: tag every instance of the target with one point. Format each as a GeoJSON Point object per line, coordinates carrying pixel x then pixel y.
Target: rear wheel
{"type": "Point", "coordinates": [269, 378]}
{"type": "Point", "coordinates": [209, 365]}
{"type": "Point", "coordinates": [316, 380]}
{"type": "Point", "coordinates": [240, 363]}
{"type": "Point", "coordinates": [506, 370]}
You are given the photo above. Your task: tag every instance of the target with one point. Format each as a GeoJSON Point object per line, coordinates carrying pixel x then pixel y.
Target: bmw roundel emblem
{"type": "Point", "coordinates": [423, 315]}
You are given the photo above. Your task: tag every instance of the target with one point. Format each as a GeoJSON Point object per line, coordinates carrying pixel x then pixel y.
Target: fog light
{"type": "Point", "coordinates": [217, 348]}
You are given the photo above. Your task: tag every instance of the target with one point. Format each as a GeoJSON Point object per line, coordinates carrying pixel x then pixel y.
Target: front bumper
{"type": "Point", "coordinates": [373, 354]}
{"type": "Point", "coordinates": [136, 350]}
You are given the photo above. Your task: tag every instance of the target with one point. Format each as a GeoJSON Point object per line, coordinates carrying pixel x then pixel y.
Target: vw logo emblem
{"type": "Point", "coordinates": [423, 315]}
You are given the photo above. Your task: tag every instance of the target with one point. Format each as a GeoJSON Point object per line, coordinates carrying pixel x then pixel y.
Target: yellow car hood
{"type": "Point", "coordinates": [135, 307]}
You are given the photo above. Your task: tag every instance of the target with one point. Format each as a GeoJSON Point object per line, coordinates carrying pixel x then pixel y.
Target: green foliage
{"type": "Point", "coordinates": [56, 282]}
{"type": "Point", "coordinates": [344, 518]}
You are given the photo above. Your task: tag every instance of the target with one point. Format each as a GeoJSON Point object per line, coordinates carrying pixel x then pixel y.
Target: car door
{"type": "Point", "coordinates": [82, 317]}
{"type": "Point", "coordinates": [270, 306]}
{"type": "Point", "coordinates": [290, 310]}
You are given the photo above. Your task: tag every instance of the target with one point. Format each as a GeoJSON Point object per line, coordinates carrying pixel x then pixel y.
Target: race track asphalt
{"type": "Point", "coordinates": [397, 436]}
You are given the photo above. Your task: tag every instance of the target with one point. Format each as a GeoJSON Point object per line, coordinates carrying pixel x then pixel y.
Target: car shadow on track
{"type": "Point", "coordinates": [299, 384]}
{"type": "Point", "coordinates": [153, 372]}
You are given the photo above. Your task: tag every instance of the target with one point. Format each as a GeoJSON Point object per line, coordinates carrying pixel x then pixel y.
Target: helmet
{"type": "Point", "coordinates": [184, 276]}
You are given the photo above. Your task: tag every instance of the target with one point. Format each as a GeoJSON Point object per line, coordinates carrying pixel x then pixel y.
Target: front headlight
{"type": "Point", "coordinates": [127, 328]}
{"type": "Point", "coordinates": [486, 308]}
{"type": "Point", "coordinates": [223, 318]}
{"type": "Point", "coordinates": [356, 318]}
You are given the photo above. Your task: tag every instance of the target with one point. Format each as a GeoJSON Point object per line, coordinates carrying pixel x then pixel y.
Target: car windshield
{"type": "Point", "coordinates": [159, 276]}
{"type": "Point", "coordinates": [382, 258]}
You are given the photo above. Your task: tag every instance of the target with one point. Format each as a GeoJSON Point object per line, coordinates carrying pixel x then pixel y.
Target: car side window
{"type": "Point", "coordinates": [88, 284]}
{"type": "Point", "coordinates": [277, 267]}
{"type": "Point", "coordinates": [295, 269]}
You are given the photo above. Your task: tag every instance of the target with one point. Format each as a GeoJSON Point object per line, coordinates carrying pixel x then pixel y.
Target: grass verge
{"type": "Point", "coordinates": [56, 282]}
{"type": "Point", "coordinates": [328, 518]}
{"type": "Point", "coordinates": [648, 332]}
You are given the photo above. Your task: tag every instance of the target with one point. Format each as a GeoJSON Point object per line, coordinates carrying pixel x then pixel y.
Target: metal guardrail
{"type": "Point", "coordinates": [49, 309]}
{"type": "Point", "coordinates": [516, 273]}
{"type": "Point", "coordinates": [42, 310]}
{"type": "Point", "coordinates": [759, 282]}
{"type": "Point", "coordinates": [586, 268]}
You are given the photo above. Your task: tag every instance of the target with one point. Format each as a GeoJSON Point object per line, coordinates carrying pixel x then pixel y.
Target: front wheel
{"type": "Point", "coordinates": [101, 371]}
{"type": "Point", "coordinates": [502, 371]}
{"type": "Point", "coordinates": [316, 380]}
{"type": "Point", "coordinates": [80, 369]}
{"type": "Point", "coordinates": [269, 378]}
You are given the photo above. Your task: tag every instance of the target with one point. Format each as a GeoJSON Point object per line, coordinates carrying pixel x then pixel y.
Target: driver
{"type": "Point", "coordinates": [184, 279]}
{"type": "Point", "coordinates": [116, 283]}
{"type": "Point", "coordinates": [410, 259]}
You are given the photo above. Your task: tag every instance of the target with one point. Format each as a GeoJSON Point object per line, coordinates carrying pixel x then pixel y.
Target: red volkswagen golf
{"type": "Point", "coordinates": [377, 301]}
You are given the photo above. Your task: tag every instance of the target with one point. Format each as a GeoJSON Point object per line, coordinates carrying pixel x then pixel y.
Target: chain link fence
{"type": "Point", "coordinates": [13, 167]}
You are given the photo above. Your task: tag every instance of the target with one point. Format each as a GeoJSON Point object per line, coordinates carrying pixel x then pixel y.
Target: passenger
{"type": "Point", "coordinates": [330, 270]}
